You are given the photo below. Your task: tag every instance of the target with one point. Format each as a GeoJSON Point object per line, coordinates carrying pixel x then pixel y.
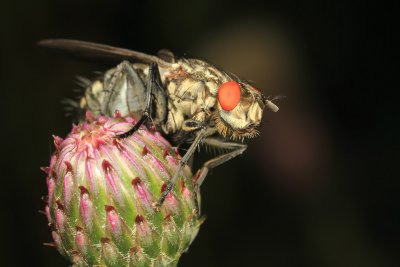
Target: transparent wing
{"type": "Point", "coordinates": [93, 51]}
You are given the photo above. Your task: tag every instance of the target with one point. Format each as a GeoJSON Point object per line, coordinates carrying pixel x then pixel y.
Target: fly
{"type": "Point", "coordinates": [188, 100]}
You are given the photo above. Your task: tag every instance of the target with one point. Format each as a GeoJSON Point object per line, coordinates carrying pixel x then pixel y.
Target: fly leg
{"type": "Point", "coordinates": [201, 174]}
{"type": "Point", "coordinates": [201, 134]}
{"type": "Point", "coordinates": [237, 149]}
{"type": "Point", "coordinates": [153, 83]}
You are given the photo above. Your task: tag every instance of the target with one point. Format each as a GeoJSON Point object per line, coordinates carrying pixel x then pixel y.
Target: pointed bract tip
{"type": "Point", "coordinates": [139, 219]}
{"type": "Point", "coordinates": [42, 212]}
{"type": "Point", "coordinates": [183, 185]}
{"type": "Point", "coordinates": [57, 141]}
{"type": "Point", "coordinates": [102, 120]}
{"type": "Point", "coordinates": [133, 250]}
{"type": "Point", "coordinates": [167, 217]}
{"type": "Point", "coordinates": [106, 166]}
{"type": "Point", "coordinates": [105, 240]}
{"type": "Point", "coordinates": [117, 143]}
{"type": "Point", "coordinates": [83, 190]}
{"type": "Point", "coordinates": [117, 114]}
{"type": "Point", "coordinates": [46, 170]}
{"type": "Point", "coordinates": [45, 199]}
{"type": "Point", "coordinates": [59, 204]}
{"type": "Point", "coordinates": [163, 187]}
{"type": "Point", "coordinates": [145, 151]}
{"type": "Point", "coordinates": [136, 181]}
{"type": "Point", "coordinates": [77, 258]}
{"type": "Point", "coordinates": [68, 165]}
{"type": "Point", "coordinates": [109, 208]}
{"type": "Point", "coordinates": [166, 153]}
{"type": "Point", "coordinates": [52, 227]}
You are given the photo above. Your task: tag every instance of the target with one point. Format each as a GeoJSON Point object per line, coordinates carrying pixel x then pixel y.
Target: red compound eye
{"type": "Point", "coordinates": [229, 95]}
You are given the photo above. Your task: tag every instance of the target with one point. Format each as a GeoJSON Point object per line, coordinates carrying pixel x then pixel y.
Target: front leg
{"type": "Point", "coordinates": [202, 132]}
{"type": "Point", "coordinates": [201, 174]}
{"type": "Point", "coordinates": [237, 149]}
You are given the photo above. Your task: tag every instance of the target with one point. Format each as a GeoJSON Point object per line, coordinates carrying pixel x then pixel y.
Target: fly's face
{"type": "Point", "coordinates": [239, 110]}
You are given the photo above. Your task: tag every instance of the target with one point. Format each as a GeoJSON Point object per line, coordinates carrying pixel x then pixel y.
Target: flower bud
{"type": "Point", "coordinates": [102, 194]}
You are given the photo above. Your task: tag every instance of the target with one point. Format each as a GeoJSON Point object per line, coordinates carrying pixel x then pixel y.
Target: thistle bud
{"type": "Point", "coordinates": [102, 194]}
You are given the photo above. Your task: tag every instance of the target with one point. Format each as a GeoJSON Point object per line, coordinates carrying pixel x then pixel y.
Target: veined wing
{"type": "Point", "coordinates": [94, 51]}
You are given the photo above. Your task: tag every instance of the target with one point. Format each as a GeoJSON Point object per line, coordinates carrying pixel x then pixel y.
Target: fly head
{"type": "Point", "coordinates": [240, 110]}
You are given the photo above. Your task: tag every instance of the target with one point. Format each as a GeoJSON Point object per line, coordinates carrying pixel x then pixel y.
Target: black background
{"type": "Point", "coordinates": [320, 186]}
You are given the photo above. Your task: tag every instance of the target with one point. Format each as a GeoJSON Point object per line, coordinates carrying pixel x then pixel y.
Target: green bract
{"type": "Point", "coordinates": [102, 192]}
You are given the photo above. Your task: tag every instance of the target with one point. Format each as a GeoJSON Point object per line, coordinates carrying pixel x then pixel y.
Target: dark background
{"type": "Point", "coordinates": [320, 186]}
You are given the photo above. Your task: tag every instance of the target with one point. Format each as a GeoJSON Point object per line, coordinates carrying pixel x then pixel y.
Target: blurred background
{"type": "Point", "coordinates": [317, 188]}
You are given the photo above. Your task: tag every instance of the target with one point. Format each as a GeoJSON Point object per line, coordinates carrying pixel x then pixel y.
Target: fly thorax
{"type": "Point", "coordinates": [188, 98]}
